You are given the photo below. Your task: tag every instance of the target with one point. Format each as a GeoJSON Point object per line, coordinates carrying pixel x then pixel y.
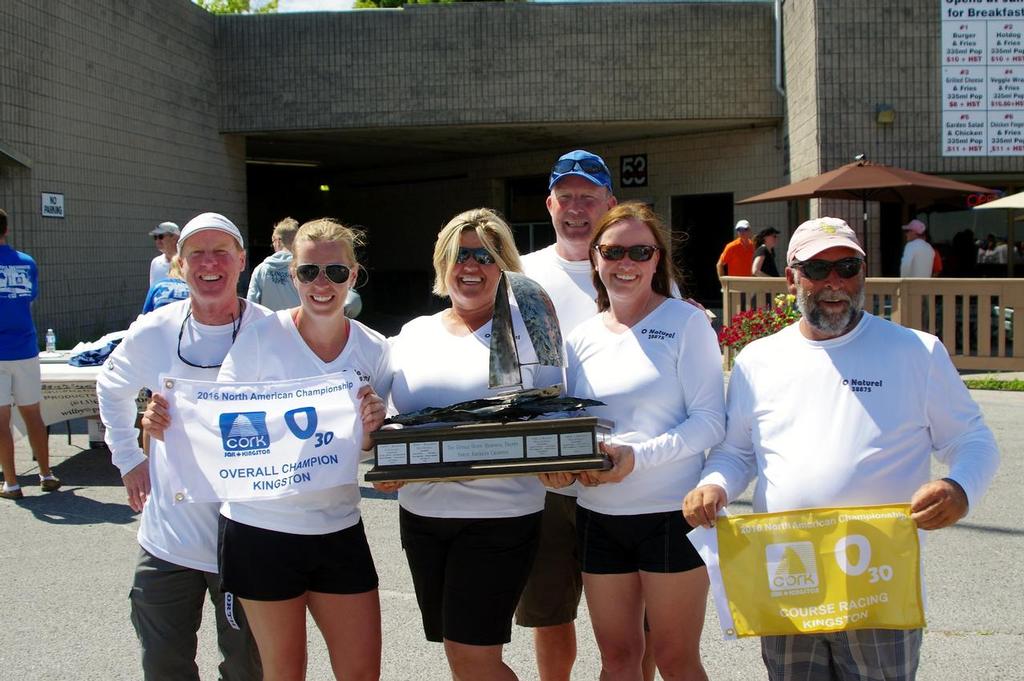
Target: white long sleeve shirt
{"type": "Point", "coordinates": [434, 368]}
{"type": "Point", "coordinates": [918, 259]}
{"type": "Point", "coordinates": [662, 383]}
{"type": "Point", "coordinates": [184, 534]}
{"type": "Point", "coordinates": [850, 421]}
{"type": "Point", "coordinates": [272, 350]}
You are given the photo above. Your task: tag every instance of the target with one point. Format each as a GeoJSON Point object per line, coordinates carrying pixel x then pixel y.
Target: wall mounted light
{"type": "Point", "coordinates": [885, 114]}
{"type": "Point", "coordinates": [325, 187]}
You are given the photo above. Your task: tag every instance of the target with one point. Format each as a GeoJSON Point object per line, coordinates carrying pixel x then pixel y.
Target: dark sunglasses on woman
{"type": "Point", "coordinates": [817, 270]}
{"type": "Point", "coordinates": [307, 273]}
{"type": "Point", "coordinates": [481, 255]}
{"type": "Point", "coordinates": [636, 253]}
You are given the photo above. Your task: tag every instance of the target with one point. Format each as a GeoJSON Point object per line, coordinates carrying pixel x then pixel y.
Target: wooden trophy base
{"type": "Point", "coordinates": [477, 450]}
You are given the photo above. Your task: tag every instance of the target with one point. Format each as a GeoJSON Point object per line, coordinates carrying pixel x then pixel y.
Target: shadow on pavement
{"type": "Point", "coordinates": [66, 507]}
{"type": "Point", "coordinates": [90, 467]}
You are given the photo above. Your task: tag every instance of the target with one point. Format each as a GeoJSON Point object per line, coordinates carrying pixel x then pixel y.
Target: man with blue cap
{"type": "Point", "coordinates": [177, 563]}
{"type": "Point", "coordinates": [580, 187]}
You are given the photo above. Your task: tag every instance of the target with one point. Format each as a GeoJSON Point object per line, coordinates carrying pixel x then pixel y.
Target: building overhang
{"type": "Point", "coordinates": [368, 148]}
{"type": "Point", "coordinates": [11, 158]}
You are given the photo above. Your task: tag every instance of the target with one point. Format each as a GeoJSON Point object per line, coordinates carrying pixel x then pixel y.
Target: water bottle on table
{"type": "Point", "coordinates": [51, 342]}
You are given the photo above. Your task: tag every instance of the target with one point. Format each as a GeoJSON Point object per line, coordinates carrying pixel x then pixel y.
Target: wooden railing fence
{"type": "Point", "coordinates": [974, 318]}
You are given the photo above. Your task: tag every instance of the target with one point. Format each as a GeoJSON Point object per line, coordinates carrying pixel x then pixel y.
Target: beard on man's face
{"type": "Point", "coordinates": [830, 324]}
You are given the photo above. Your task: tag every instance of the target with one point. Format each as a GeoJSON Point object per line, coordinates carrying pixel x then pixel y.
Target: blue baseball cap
{"type": "Point", "coordinates": [590, 167]}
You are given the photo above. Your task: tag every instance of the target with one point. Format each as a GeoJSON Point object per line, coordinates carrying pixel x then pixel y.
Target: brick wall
{"type": "Point", "coordinates": [114, 103]}
{"type": "Point", "coordinates": [488, 63]}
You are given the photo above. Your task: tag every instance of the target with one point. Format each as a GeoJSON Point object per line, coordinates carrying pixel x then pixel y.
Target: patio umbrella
{"type": "Point", "coordinates": [1013, 201]}
{"type": "Point", "coordinates": [865, 181]}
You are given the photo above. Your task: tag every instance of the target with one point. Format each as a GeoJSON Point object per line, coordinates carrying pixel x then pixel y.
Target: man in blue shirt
{"type": "Point", "coordinates": [20, 382]}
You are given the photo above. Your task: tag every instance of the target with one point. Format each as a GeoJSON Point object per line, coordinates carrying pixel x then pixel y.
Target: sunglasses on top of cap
{"type": "Point", "coordinates": [818, 270]}
{"type": "Point", "coordinates": [640, 253]}
{"type": "Point", "coordinates": [307, 273]}
{"type": "Point", "coordinates": [587, 165]}
{"type": "Point", "coordinates": [481, 255]}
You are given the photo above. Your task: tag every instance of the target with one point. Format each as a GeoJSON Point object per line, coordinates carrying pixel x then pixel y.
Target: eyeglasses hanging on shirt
{"type": "Point", "coordinates": [236, 325]}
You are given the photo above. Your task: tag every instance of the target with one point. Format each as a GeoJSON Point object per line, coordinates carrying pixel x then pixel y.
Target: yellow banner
{"type": "Point", "coordinates": [816, 570]}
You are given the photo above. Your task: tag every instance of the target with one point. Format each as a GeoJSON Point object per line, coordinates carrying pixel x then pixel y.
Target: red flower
{"type": "Point", "coordinates": [750, 325]}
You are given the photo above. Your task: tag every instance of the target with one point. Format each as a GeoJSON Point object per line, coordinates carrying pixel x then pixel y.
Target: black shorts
{"type": "Point", "coordinates": [620, 544]}
{"type": "Point", "coordinates": [264, 565]}
{"type": "Point", "coordinates": [469, 573]}
{"type": "Point", "coordinates": [552, 593]}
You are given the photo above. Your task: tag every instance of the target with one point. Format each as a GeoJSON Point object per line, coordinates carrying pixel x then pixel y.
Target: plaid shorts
{"type": "Point", "coordinates": [859, 655]}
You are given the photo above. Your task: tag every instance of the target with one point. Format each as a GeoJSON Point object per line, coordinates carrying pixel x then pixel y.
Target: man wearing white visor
{"type": "Point", "coordinates": [177, 563]}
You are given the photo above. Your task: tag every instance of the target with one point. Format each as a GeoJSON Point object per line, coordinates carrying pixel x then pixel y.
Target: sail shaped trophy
{"type": "Point", "coordinates": [518, 432]}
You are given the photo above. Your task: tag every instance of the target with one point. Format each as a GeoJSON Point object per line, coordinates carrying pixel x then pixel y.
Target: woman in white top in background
{"type": "Point", "coordinates": [282, 556]}
{"type": "Point", "coordinates": [654, 361]}
{"type": "Point", "coordinates": [470, 543]}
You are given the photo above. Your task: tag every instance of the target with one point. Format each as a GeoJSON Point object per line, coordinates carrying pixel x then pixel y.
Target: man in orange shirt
{"type": "Point", "coordinates": [738, 254]}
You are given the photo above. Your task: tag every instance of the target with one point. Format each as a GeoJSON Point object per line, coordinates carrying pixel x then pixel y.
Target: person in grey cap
{"type": "Point", "coordinates": [851, 416]}
{"type": "Point", "coordinates": [165, 236]}
{"type": "Point", "coordinates": [177, 563]}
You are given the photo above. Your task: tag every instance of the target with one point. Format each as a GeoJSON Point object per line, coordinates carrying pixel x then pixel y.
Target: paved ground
{"type": "Point", "coordinates": [67, 560]}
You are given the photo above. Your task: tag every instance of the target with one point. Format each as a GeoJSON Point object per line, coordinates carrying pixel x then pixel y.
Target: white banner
{"type": "Point", "coordinates": [246, 441]}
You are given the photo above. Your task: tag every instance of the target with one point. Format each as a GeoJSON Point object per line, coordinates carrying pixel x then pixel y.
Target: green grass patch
{"type": "Point", "coordinates": [1015, 385]}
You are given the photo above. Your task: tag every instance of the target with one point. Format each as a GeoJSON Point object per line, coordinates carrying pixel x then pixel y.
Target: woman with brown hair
{"type": "Point", "coordinates": [654, 361]}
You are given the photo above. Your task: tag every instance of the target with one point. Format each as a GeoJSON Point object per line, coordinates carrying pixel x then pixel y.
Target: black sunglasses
{"type": "Point", "coordinates": [636, 253]}
{"type": "Point", "coordinates": [307, 273]}
{"type": "Point", "coordinates": [587, 165]}
{"type": "Point", "coordinates": [158, 237]}
{"type": "Point", "coordinates": [817, 270]}
{"type": "Point", "coordinates": [481, 255]}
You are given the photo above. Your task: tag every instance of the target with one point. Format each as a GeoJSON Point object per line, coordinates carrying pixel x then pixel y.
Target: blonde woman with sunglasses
{"type": "Point", "coordinates": [309, 551]}
{"type": "Point", "coordinates": [470, 543]}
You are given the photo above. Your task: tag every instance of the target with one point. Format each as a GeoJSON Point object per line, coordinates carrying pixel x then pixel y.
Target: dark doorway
{"type": "Point", "coordinates": [890, 244]}
{"type": "Point", "coordinates": [527, 213]}
{"type": "Point", "coordinates": [701, 226]}
{"type": "Point", "coordinates": [277, 192]}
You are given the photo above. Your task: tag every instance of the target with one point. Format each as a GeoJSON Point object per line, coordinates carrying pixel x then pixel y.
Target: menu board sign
{"type": "Point", "coordinates": [983, 77]}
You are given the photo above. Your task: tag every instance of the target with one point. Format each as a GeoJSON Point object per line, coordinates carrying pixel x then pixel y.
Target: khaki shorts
{"type": "Point", "coordinates": [552, 593]}
{"type": "Point", "coordinates": [20, 382]}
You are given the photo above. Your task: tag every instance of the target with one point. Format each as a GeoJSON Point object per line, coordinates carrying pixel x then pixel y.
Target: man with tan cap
{"type": "Point", "coordinates": [918, 254]}
{"type": "Point", "coordinates": [845, 409]}
{"type": "Point", "coordinates": [177, 563]}
{"type": "Point", "coordinates": [165, 236]}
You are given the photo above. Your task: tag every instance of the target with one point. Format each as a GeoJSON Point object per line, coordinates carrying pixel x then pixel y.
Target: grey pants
{"type": "Point", "coordinates": [167, 609]}
{"type": "Point", "coordinates": [858, 655]}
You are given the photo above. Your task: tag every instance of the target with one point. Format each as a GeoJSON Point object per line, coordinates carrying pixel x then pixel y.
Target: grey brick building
{"type": "Point", "coordinates": [396, 119]}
